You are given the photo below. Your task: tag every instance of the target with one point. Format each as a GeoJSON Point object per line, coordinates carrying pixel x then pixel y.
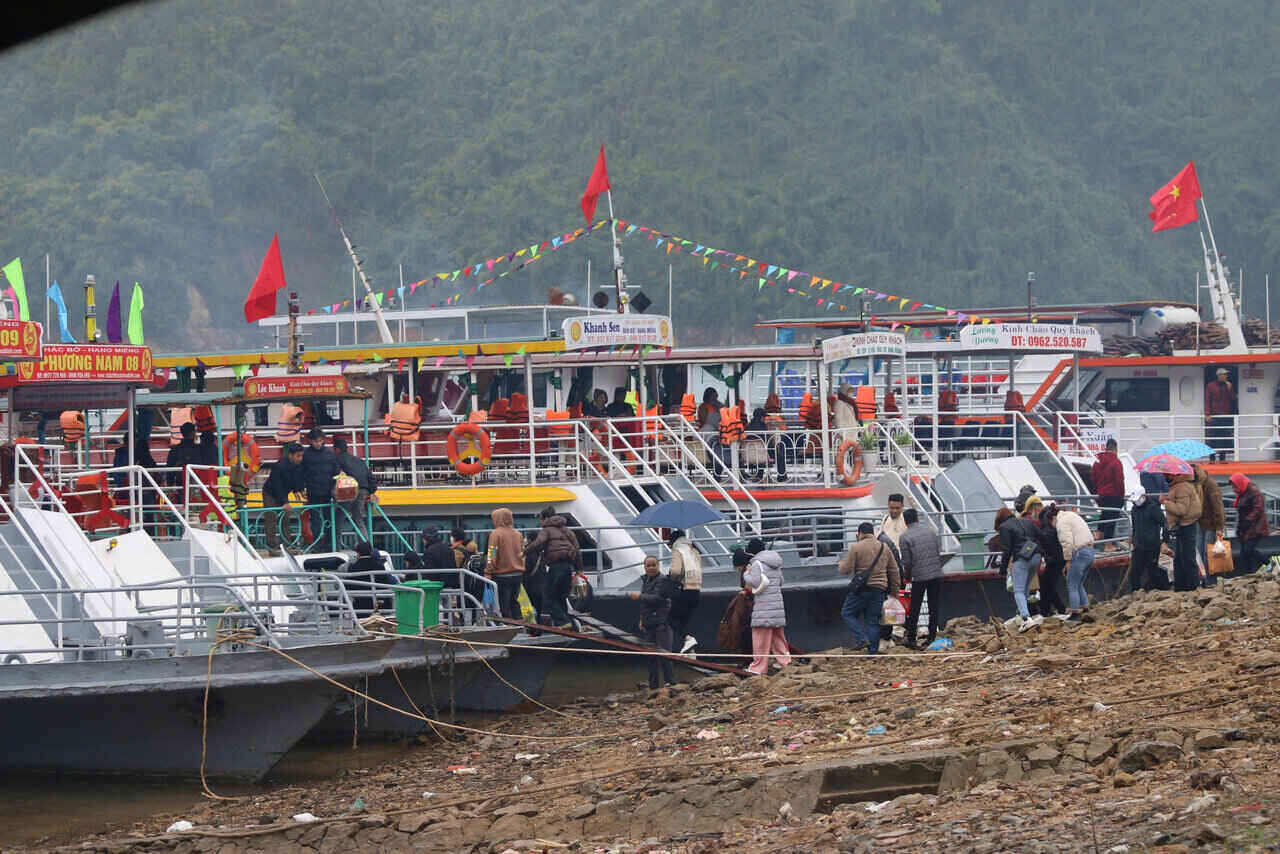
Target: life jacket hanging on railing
{"type": "Point", "coordinates": [289, 428]}
{"type": "Point", "coordinates": [96, 503]}
{"type": "Point", "coordinates": [864, 403]}
{"type": "Point", "coordinates": [891, 404]}
{"type": "Point", "coordinates": [518, 415]}
{"type": "Point", "coordinates": [731, 426]}
{"type": "Point", "coordinates": [250, 456]}
{"type": "Point", "coordinates": [404, 419]}
{"type": "Point", "coordinates": [468, 448]}
{"type": "Point", "coordinates": [72, 422]}
{"type": "Point", "coordinates": [205, 422]}
{"type": "Point", "coordinates": [688, 408]}
{"type": "Point", "coordinates": [178, 417]}
{"type": "Point", "coordinates": [1013, 401]}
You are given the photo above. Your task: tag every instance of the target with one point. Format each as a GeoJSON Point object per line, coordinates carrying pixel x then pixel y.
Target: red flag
{"type": "Point", "coordinates": [1174, 204]}
{"type": "Point", "coordinates": [261, 301]}
{"type": "Point", "coordinates": [598, 184]}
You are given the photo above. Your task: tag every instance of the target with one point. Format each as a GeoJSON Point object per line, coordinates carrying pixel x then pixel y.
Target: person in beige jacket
{"type": "Point", "coordinates": [1182, 509]}
{"type": "Point", "coordinates": [863, 609]}
{"type": "Point", "coordinates": [1078, 550]}
{"type": "Point", "coordinates": [505, 562]}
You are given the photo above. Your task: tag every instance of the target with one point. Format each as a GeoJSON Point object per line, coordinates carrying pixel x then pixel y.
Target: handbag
{"type": "Point", "coordinates": [858, 582]}
{"type": "Point", "coordinates": [1220, 562]}
{"type": "Point", "coordinates": [1029, 549]}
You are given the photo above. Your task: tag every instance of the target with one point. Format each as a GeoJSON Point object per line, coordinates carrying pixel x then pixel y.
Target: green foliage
{"type": "Point", "coordinates": [923, 147]}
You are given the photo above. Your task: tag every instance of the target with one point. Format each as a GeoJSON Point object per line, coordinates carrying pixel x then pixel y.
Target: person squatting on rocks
{"type": "Point", "coordinates": [560, 551]}
{"type": "Point", "coordinates": [922, 567]}
{"type": "Point", "coordinates": [863, 607]}
{"type": "Point", "coordinates": [1108, 485]}
{"type": "Point", "coordinates": [656, 592]}
{"type": "Point", "coordinates": [505, 562]}
{"type": "Point", "coordinates": [1150, 535]}
{"type": "Point", "coordinates": [686, 572]}
{"type": "Point", "coordinates": [1182, 511]}
{"type": "Point", "coordinates": [734, 633]}
{"type": "Point", "coordinates": [769, 612]}
{"type": "Point", "coordinates": [1251, 521]}
{"type": "Point", "coordinates": [1020, 557]}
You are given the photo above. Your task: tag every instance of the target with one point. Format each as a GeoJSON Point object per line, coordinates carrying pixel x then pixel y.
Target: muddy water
{"type": "Point", "coordinates": [52, 810]}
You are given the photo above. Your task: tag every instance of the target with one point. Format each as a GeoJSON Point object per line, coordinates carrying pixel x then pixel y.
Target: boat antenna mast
{"type": "Point", "coordinates": [1221, 299]}
{"type": "Point", "coordinates": [384, 331]}
{"type": "Point", "coordinates": [619, 277]}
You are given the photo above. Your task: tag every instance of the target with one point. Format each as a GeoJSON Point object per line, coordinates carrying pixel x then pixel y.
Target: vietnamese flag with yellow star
{"type": "Point", "coordinates": [1174, 204]}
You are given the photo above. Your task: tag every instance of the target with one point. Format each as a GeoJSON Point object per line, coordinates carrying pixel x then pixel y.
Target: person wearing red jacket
{"type": "Point", "coordinates": [1251, 522]}
{"type": "Point", "coordinates": [1108, 485]}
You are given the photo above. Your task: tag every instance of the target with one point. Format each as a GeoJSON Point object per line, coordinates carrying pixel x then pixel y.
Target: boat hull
{"type": "Point", "coordinates": [146, 716]}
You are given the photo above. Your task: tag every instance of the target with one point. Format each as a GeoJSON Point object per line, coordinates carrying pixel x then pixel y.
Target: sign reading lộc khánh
{"type": "Point", "coordinates": [604, 330]}
{"type": "Point", "coordinates": [1044, 337]}
{"type": "Point", "coordinates": [859, 344]}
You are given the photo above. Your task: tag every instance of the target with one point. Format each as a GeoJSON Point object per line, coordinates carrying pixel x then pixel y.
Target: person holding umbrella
{"type": "Point", "coordinates": [1182, 509]}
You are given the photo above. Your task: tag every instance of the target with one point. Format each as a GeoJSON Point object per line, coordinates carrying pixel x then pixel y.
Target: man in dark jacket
{"type": "Point", "coordinates": [656, 592]}
{"type": "Point", "coordinates": [285, 478]}
{"type": "Point", "coordinates": [1108, 484]}
{"type": "Point", "coordinates": [558, 547]}
{"type": "Point", "coordinates": [922, 566]}
{"type": "Point", "coordinates": [319, 468]}
{"type": "Point", "coordinates": [188, 453]}
{"type": "Point", "coordinates": [1251, 521]}
{"type": "Point", "coordinates": [436, 556]}
{"type": "Point", "coordinates": [1150, 532]}
{"type": "Point", "coordinates": [356, 469]}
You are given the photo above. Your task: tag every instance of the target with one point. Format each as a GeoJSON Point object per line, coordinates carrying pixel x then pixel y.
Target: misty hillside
{"type": "Point", "coordinates": [933, 149]}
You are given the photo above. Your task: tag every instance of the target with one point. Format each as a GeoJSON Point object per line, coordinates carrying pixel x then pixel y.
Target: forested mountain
{"type": "Point", "coordinates": [925, 147]}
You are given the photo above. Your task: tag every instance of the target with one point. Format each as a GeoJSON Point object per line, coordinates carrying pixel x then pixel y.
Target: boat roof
{"type": "Point", "coordinates": [1071, 313]}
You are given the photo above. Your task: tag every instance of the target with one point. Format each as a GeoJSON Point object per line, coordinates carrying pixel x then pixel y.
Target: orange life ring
{"type": "Point", "coordinates": [850, 477]}
{"type": "Point", "coordinates": [472, 458]}
{"type": "Point", "coordinates": [249, 453]}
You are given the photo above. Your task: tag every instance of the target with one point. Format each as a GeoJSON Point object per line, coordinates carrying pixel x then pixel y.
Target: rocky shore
{"type": "Point", "coordinates": [1156, 727]}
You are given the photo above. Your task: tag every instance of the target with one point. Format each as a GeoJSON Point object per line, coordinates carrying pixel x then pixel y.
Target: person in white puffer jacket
{"type": "Point", "coordinates": [1077, 547]}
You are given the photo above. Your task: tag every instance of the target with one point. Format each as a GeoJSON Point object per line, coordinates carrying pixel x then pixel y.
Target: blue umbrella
{"type": "Point", "coordinates": [1183, 449]}
{"type": "Point", "coordinates": [678, 514]}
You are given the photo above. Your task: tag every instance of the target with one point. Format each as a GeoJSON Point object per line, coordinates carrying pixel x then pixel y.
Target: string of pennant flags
{"type": "Point", "coordinates": [517, 258]}
{"type": "Point", "coordinates": [825, 292]}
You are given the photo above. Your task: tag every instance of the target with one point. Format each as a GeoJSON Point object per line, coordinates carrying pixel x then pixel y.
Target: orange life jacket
{"type": "Point", "coordinates": [948, 400]}
{"type": "Point", "coordinates": [518, 410]}
{"type": "Point", "coordinates": [178, 417]}
{"type": "Point", "coordinates": [688, 409]}
{"type": "Point", "coordinates": [498, 409]}
{"type": "Point", "coordinates": [652, 414]}
{"type": "Point", "coordinates": [891, 403]}
{"type": "Point", "coordinates": [559, 429]}
{"type": "Point", "coordinates": [404, 419]}
{"type": "Point", "coordinates": [204, 419]}
{"type": "Point", "coordinates": [1013, 401]}
{"type": "Point", "coordinates": [289, 428]}
{"type": "Point", "coordinates": [864, 403]}
{"type": "Point", "coordinates": [478, 416]}
{"type": "Point", "coordinates": [810, 412]}
{"type": "Point", "coordinates": [72, 422]}
{"type": "Point", "coordinates": [731, 427]}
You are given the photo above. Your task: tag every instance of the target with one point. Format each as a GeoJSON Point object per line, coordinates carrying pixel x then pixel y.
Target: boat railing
{"type": "Point", "coordinates": [664, 438]}
{"type": "Point", "coordinates": [197, 614]}
{"type": "Point", "coordinates": [1249, 437]}
{"type": "Point", "coordinates": [813, 537]}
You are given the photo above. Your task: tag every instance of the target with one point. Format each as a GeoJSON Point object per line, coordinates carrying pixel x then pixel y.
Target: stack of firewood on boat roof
{"type": "Point", "coordinates": [1212, 337]}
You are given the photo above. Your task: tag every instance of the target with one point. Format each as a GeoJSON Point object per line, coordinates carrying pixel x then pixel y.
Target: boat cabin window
{"type": "Point", "coordinates": [1137, 394]}
{"type": "Point", "coordinates": [257, 416]}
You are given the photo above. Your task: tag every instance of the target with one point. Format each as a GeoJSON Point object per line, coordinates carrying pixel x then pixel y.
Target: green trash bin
{"type": "Point", "coordinates": [408, 602]}
{"type": "Point", "coordinates": [973, 548]}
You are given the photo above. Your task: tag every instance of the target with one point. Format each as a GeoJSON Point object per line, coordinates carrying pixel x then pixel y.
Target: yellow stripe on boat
{"type": "Point", "coordinates": [492, 496]}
